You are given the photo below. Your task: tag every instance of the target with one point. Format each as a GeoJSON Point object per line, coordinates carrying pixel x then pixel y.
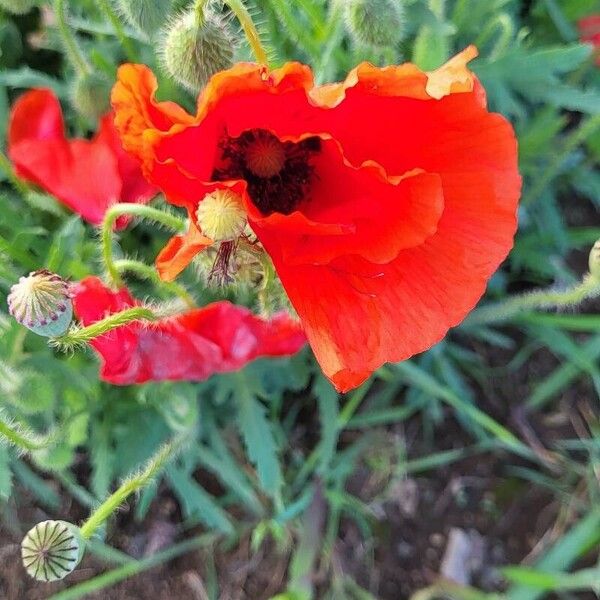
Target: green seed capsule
{"type": "Point", "coordinates": [51, 550]}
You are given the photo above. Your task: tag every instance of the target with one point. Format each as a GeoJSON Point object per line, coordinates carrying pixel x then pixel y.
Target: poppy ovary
{"type": "Point", "coordinates": [221, 215]}
{"type": "Point", "coordinates": [265, 156]}
{"type": "Point", "coordinates": [41, 301]}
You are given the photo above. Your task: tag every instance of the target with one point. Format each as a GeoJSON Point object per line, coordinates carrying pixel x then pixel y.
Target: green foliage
{"type": "Point", "coordinates": [263, 443]}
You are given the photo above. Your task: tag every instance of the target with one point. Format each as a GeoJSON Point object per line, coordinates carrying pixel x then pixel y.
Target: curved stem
{"type": "Point", "coordinates": [129, 48]}
{"type": "Point", "coordinates": [588, 288]}
{"type": "Point", "coordinates": [243, 16]}
{"type": "Point", "coordinates": [136, 210]}
{"type": "Point", "coordinates": [72, 48]}
{"type": "Point", "coordinates": [24, 440]}
{"type": "Point", "coordinates": [128, 487]}
{"type": "Point", "coordinates": [83, 335]}
{"type": "Point", "coordinates": [144, 271]}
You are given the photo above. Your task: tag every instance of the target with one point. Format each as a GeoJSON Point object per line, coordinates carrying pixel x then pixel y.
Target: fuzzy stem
{"type": "Point", "coordinates": [243, 16]}
{"type": "Point", "coordinates": [128, 487]}
{"type": "Point", "coordinates": [589, 287]}
{"type": "Point", "coordinates": [72, 48]}
{"type": "Point", "coordinates": [144, 271]}
{"type": "Point", "coordinates": [129, 48]}
{"type": "Point", "coordinates": [136, 210]}
{"type": "Point", "coordinates": [83, 335]}
{"type": "Point", "coordinates": [24, 440]}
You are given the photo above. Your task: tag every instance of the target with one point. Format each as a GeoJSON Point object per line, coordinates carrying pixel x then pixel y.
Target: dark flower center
{"type": "Point", "coordinates": [278, 173]}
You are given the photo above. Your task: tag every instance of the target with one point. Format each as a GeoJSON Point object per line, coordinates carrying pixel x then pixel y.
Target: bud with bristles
{"type": "Point", "coordinates": [42, 302]}
{"type": "Point", "coordinates": [221, 215]}
{"type": "Point", "coordinates": [378, 23]}
{"type": "Point", "coordinates": [51, 550]}
{"type": "Point", "coordinates": [147, 16]}
{"type": "Point", "coordinates": [594, 261]}
{"type": "Point", "coordinates": [195, 47]}
{"type": "Point", "coordinates": [18, 7]}
{"type": "Point", "coordinates": [90, 95]}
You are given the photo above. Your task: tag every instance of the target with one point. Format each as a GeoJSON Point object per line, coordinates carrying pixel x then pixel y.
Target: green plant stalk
{"type": "Point", "coordinates": [243, 16]}
{"type": "Point", "coordinates": [144, 271]}
{"type": "Point", "coordinates": [135, 210]}
{"type": "Point", "coordinates": [21, 439]}
{"type": "Point", "coordinates": [73, 51]}
{"type": "Point", "coordinates": [587, 128]}
{"type": "Point", "coordinates": [128, 487]}
{"type": "Point", "coordinates": [82, 335]}
{"type": "Point", "coordinates": [589, 287]}
{"type": "Point", "coordinates": [129, 48]}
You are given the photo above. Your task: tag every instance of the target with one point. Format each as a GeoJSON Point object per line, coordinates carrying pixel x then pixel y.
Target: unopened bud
{"type": "Point", "coordinates": [51, 550]}
{"type": "Point", "coordinates": [221, 215]}
{"type": "Point", "coordinates": [147, 16]}
{"type": "Point", "coordinates": [196, 47]}
{"type": "Point", "coordinates": [378, 23]}
{"type": "Point", "coordinates": [594, 261]}
{"type": "Point", "coordinates": [42, 303]}
{"type": "Point", "coordinates": [90, 95]}
{"type": "Point", "coordinates": [18, 7]}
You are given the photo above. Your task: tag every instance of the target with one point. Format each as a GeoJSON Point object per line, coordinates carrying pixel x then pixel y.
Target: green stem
{"type": "Point", "coordinates": [7, 167]}
{"type": "Point", "coordinates": [126, 43]}
{"type": "Point", "coordinates": [136, 210]}
{"type": "Point", "coordinates": [589, 287]}
{"type": "Point", "coordinates": [128, 487]}
{"type": "Point", "coordinates": [72, 48]}
{"type": "Point", "coordinates": [24, 440]}
{"type": "Point", "coordinates": [83, 335]}
{"type": "Point", "coordinates": [587, 128]}
{"type": "Point", "coordinates": [144, 271]}
{"type": "Point", "coordinates": [243, 16]}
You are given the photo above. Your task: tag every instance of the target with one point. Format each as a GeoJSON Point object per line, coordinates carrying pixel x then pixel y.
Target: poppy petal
{"type": "Point", "coordinates": [192, 346]}
{"type": "Point", "coordinates": [36, 115]}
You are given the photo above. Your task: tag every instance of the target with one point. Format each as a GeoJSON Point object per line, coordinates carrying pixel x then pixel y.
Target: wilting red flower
{"type": "Point", "coordinates": [86, 175]}
{"type": "Point", "coordinates": [589, 31]}
{"type": "Point", "coordinates": [190, 346]}
{"type": "Point", "coordinates": [385, 202]}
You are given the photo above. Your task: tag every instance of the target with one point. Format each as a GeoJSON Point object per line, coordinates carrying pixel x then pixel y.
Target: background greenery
{"type": "Point", "coordinates": [275, 458]}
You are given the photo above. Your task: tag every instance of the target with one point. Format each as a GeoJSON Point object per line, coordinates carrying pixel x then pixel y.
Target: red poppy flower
{"type": "Point", "coordinates": [386, 202]}
{"type": "Point", "coordinates": [190, 346]}
{"type": "Point", "coordinates": [589, 32]}
{"type": "Point", "coordinates": [85, 175]}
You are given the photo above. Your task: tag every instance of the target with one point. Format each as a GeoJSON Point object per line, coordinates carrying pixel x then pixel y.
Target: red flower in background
{"type": "Point", "coordinates": [85, 175]}
{"type": "Point", "coordinates": [385, 202]}
{"type": "Point", "coordinates": [191, 346]}
{"type": "Point", "coordinates": [589, 32]}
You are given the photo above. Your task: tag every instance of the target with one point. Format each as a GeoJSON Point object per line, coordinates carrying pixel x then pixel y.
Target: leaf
{"type": "Point", "coordinates": [258, 437]}
{"type": "Point", "coordinates": [327, 401]}
{"type": "Point", "coordinates": [5, 474]}
{"type": "Point", "coordinates": [196, 503]}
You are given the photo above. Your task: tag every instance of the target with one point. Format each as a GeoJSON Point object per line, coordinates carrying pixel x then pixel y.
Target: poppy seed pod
{"type": "Point", "coordinates": [594, 260]}
{"type": "Point", "coordinates": [376, 22]}
{"type": "Point", "coordinates": [147, 16]}
{"type": "Point", "coordinates": [42, 303]}
{"type": "Point", "coordinates": [51, 550]}
{"type": "Point", "coordinates": [221, 215]}
{"type": "Point", "coordinates": [195, 47]}
{"type": "Point", "coordinates": [90, 95]}
{"type": "Point", "coordinates": [17, 7]}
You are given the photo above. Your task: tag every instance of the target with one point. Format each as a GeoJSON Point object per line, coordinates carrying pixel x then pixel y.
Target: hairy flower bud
{"type": "Point", "coordinates": [18, 7]}
{"type": "Point", "coordinates": [196, 47]}
{"type": "Point", "coordinates": [90, 95]}
{"type": "Point", "coordinates": [51, 550]}
{"type": "Point", "coordinates": [594, 260]}
{"type": "Point", "coordinates": [147, 16]}
{"type": "Point", "coordinates": [221, 215]}
{"type": "Point", "coordinates": [41, 301]}
{"type": "Point", "coordinates": [377, 23]}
